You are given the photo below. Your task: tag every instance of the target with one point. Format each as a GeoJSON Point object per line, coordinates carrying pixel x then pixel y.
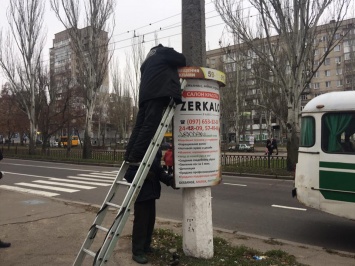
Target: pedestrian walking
{"type": "Point", "coordinates": [274, 146]}
{"type": "Point", "coordinates": [268, 147]}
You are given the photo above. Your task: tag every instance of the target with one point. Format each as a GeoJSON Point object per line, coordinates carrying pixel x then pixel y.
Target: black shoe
{"type": "Point", "coordinates": [141, 259]}
{"type": "Point", "coordinates": [4, 244]}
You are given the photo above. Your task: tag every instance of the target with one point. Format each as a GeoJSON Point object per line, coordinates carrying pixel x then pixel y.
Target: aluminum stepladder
{"type": "Point", "coordinates": [102, 256]}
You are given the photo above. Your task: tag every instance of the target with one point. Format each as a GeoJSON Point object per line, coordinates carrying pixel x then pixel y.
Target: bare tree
{"type": "Point", "coordinates": [90, 46]}
{"type": "Point", "coordinates": [120, 108]}
{"type": "Point", "coordinates": [134, 60]}
{"type": "Point", "coordinates": [13, 118]}
{"type": "Point", "coordinates": [20, 56]}
{"type": "Point", "coordinates": [288, 28]}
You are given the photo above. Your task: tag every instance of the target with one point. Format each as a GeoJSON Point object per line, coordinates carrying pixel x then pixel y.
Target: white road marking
{"type": "Point", "coordinates": [63, 184]}
{"type": "Point", "coordinates": [51, 167]}
{"type": "Point", "coordinates": [38, 176]}
{"type": "Point", "coordinates": [287, 207]}
{"type": "Point", "coordinates": [105, 174]}
{"type": "Point", "coordinates": [31, 191]}
{"type": "Point", "coordinates": [81, 182]}
{"type": "Point", "coordinates": [95, 175]}
{"type": "Point", "coordinates": [47, 187]}
{"type": "Point", "coordinates": [110, 172]}
{"type": "Point", "coordinates": [88, 179]}
{"type": "Point", "coordinates": [231, 184]}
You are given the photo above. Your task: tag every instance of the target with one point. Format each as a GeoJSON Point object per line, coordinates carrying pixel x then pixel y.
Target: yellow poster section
{"type": "Point", "coordinates": [202, 73]}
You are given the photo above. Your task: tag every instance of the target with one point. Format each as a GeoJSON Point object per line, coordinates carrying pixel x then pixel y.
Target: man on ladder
{"type": "Point", "coordinates": [159, 83]}
{"type": "Point", "coordinates": [160, 89]}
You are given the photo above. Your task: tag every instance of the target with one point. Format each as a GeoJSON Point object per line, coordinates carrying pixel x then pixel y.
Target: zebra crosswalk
{"type": "Point", "coordinates": [51, 186]}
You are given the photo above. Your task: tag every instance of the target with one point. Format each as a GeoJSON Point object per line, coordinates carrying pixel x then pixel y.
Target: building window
{"type": "Point", "coordinates": [347, 56]}
{"type": "Point", "coordinates": [316, 75]}
{"type": "Point", "coordinates": [338, 60]}
{"type": "Point", "coordinates": [327, 62]}
{"type": "Point", "coordinates": [337, 48]}
{"type": "Point", "coordinates": [304, 97]}
{"type": "Point", "coordinates": [316, 85]}
{"type": "Point", "coordinates": [327, 84]}
{"type": "Point", "coordinates": [339, 83]}
{"type": "Point", "coordinates": [327, 73]}
{"type": "Point", "coordinates": [339, 71]}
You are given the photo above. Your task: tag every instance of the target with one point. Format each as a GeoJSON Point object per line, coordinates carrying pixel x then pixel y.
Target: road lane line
{"type": "Point", "coordinates": [80, 182]}
{"type": "Point", "coordinates": [89, 179]}
{"type": "Point", "coordinates": [287, 207]}
{"type": "Point", "coordinates": [47, 187]}
{"type": "Point", "coordinates": [231, 184]}
{"type": "Point", "coordinates": [63, 184]}
{"type": "Point", "coordinates": [31, 191]}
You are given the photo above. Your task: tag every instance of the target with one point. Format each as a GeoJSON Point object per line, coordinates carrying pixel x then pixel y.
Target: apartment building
{"type": "Point", "coordinates": [65, 74]}
{"type": "Point", "coordinates": [336, 73]}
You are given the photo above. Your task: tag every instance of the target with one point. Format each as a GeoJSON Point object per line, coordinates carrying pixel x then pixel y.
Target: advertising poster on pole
{"type": "Point", "coordinates": [197, 134]}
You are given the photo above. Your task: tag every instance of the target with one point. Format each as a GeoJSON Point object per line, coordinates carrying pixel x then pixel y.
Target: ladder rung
{"type": "Point", "coordinates": [89, 252]}
{"type": "Point", "coordinates": [113, 205]}
{"type": "Point", "coordinates": [102, 228]}
{"type": "Point", "coordinates": [123, 183]}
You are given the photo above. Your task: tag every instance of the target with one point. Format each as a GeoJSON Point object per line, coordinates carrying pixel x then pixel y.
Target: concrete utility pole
{"type": "Point", "coordinates": [197, 208]}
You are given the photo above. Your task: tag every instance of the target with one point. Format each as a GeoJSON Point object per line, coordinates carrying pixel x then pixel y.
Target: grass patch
{"type": "Point", "coordinates": [168, 243]}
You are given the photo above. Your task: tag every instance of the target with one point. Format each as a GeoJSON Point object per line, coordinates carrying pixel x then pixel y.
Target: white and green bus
{"type": "Point", "coordinates": [325, 172]}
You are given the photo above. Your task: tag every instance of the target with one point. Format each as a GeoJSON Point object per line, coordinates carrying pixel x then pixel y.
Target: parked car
{"type": "Point", "coordinates": [244, 147]}
{"type": "Point", "coordinates": [53, 143]}
{"type": "Point", "coordinates": [240, 147]}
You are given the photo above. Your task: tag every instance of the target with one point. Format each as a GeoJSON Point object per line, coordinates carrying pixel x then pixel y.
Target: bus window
{"type": "Point", "coordinates": [338, 133]}
{"type": "Point", "coordinates": [307, 131]}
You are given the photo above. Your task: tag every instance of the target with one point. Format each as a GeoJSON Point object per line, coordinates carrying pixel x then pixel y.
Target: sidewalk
{"type": "Point", "coordinates": [46, 231]}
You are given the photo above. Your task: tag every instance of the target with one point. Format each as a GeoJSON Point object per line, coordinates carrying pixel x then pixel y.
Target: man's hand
{"type": "Point", "coordinates": [172, 183]}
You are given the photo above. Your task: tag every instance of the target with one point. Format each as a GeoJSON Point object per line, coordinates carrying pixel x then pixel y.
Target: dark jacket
{"type": "Point", "coordinates": [151, 187]}
{"type": "Point", "coordinates": [159, 75]}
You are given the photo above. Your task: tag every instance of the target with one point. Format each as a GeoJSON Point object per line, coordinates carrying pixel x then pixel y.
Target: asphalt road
{"type": "Point", "coordinates": [251, 205]}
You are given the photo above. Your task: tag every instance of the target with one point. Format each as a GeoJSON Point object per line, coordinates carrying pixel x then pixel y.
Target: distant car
{"type": "Point", "coordinates": [244, 147]}
{"type": "Point", "coordinates": [53, 143]}
{"type": "Point", "coordinates": [241, 147]}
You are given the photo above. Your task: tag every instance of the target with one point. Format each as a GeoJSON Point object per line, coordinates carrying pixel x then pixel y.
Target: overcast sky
{"type": "Point", "coordinates": [142, 16]}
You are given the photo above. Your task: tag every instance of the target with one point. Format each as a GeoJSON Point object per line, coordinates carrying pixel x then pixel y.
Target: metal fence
{"type": "Point", "coordinates": [258, 161]}
{"type": "Point", "coordinates": [114, 156]}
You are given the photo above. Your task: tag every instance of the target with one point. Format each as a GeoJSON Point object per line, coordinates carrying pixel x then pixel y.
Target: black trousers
{"type": "Point", "coordinates": [148, 119]}
{"type": "Point", "coordinates": [143, 226]}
